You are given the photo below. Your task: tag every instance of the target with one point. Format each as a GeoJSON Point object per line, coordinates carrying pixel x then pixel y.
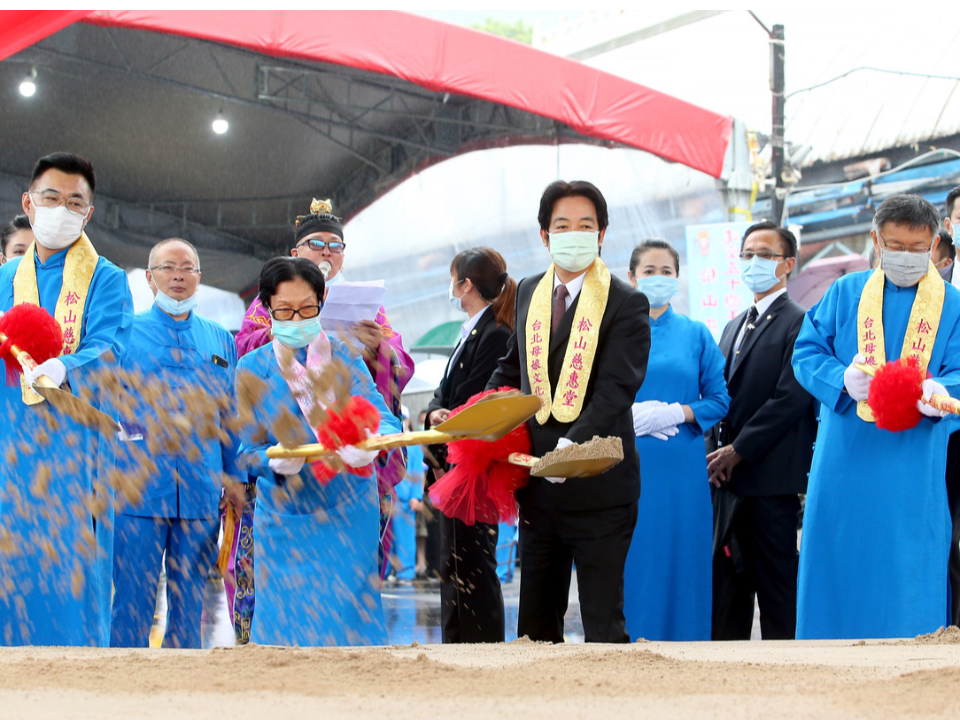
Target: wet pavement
{"type": "Point", "coordinates": [412, 614]}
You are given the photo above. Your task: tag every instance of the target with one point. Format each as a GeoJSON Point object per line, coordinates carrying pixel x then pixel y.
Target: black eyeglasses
{"type": "Point", "coordinates": [307, 312]}
{"type": "Point", "coordinates": [763, 255]}
{"type": "Point", "coordinates": [335, 246]}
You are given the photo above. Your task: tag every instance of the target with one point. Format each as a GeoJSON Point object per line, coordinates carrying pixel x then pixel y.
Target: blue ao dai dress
{"type": "Point", "coordinates": [668, 575]}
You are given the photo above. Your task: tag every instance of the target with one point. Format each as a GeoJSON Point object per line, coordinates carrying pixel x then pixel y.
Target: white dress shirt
{"type": "Point", "coordinates": [465, 331]}
{"type": "Point", "coordinates": [573, 288]}
{"type": "Point", "coordinates": [762, 306]}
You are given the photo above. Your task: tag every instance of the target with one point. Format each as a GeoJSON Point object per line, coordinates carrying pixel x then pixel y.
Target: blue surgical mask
{"type": "Point", "coordinates": [175, 307]}
{"type": "Point", "coordinates": [455, 301]}
{"type": "Point", "coordinates": [759, 275]}
{"type": "Point", "coordinates": [296, 333]}
{"type": "Point", "coordinates": [658, 289]}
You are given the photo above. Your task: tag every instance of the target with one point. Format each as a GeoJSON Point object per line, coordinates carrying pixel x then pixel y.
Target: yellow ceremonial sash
{"type": "Point", "coordinates": [581, 347]}
{"type": "Point", "coordinates": [921, 328]}
{"type": "Point", "coordinates": [78, 269]}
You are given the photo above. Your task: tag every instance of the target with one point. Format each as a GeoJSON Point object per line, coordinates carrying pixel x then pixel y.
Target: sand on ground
{"type": "Point", "coordinates": [917, 678]}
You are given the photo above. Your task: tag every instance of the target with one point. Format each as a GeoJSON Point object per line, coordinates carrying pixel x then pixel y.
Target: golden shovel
{"type": "Point", "coordinates": [489, 419]}
{"type": "Point", "coordinates": [67, 403]}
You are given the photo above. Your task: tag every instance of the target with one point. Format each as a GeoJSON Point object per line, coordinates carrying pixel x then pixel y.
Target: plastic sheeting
{"type": "Point", "coordinates": [410, 235]}
{"type": "Point", "coordinates": [442, 58]}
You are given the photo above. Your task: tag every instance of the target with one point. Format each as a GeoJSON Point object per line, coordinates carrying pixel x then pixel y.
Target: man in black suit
{"type": "Point", "coordinates": [580, 342]}
{"type": "Point", "coordinates": [764, 449]}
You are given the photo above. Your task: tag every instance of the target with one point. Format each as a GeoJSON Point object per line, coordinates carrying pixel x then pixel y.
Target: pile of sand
{"type": "Point", "coordinates": [596, 448]}
{"type": "Point", "coordinates": [766, 680]}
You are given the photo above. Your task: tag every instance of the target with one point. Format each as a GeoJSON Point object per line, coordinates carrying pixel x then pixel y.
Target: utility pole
{"type": "Point", "coordinates": [778, 198]}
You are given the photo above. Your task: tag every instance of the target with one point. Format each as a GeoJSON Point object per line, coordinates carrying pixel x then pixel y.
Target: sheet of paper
{"type": "Point", "coordinates": [350, 302]}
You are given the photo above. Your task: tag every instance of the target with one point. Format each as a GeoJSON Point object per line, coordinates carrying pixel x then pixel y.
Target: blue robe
{"type": "Point", "coordinates": [876, 529]}
{"type": "Point", "coordinates": [403, 523]}
{"type": "Point", "coordinates": [316, 573]}
{"type": "Point", "coordinates": [57, 570]}
{"type": "Point", "coordinates": [178, 511]}
{"type": "Point", "coordinates": [667, 583]}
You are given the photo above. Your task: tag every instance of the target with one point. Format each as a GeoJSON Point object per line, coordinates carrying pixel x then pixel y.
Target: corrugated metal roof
{"type": "Point", "coordinates": [722, 63]}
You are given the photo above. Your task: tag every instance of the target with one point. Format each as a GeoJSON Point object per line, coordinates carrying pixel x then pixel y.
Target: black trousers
{"type": "Point", "coordinates": [953, 500]}
{"type": "Point", "coordinates": [755, 557]}
{"type": "Point", "coordinates": [471, 602]}
{"type": "Point", "coordinates": [552, 540]}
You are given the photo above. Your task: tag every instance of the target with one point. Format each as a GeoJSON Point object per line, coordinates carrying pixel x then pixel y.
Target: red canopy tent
{"type": "Point", "coordinates": [436, 56]}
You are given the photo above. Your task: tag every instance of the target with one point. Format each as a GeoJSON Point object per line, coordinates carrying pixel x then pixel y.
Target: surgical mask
{"type": "Point", "coordinates": [759, 275]}
{"type": "Point", "coordinates": [175, 307]}
{"type": "Point", "coordinates": [455, 301]}
{"type": "Point", "coordinates": [658, 289]}
{"type": "Point", "coordinates": [56, 228]}
{"type": "Point", "coordinates": [904, 268]}
{"type": "Point", "coordinates": [296, 333]}
{"type": "Point", "coordinates": [574, 250]}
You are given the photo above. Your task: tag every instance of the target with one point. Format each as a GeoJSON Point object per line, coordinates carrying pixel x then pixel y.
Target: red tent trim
{"type": "Point", "coordinates": [444, 58]}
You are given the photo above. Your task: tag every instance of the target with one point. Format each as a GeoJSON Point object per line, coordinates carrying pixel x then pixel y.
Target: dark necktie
{"type": "Point", "coordinates": [749, 325]}
{"type": "Point", "coordinates": [559, 307]}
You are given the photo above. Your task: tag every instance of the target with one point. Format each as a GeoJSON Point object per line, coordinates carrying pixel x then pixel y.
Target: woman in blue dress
{"type": "Point", "coordinates": [316, 573]}
{"type": "Point", "coordinates": [668, 576]}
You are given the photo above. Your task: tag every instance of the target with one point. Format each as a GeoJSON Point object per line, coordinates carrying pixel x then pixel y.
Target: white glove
{"type": "Point", "coordinates": [354, 457]}
{"type": "Point", "coordinates": [53, 369]}
{"type": "Point", "coordinates": [286, 466]}
{"type": "Point", "coordinates": [931, 387]}
{"type": "Point", "coordinates": [665, 433]}
{"type": "Point", "coordinates": [857, 382]}
{"type": "Point", "coordinates": [561, 443]}
{"type": "Point", "coordinates": [666, 416]}
{"type": "Point", "coordinates": [641, 416]}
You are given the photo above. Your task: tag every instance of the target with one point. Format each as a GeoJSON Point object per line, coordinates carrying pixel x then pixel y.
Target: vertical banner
{"type": "Point", "coordinates": [717, 293]}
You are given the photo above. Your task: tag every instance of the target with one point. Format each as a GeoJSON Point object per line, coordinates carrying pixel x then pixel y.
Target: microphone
{"type": "Point", "coordinates": [325, 268]}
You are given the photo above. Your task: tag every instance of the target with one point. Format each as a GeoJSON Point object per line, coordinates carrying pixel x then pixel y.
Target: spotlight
{"type": "Point", "coordinates": [220, 124]}
{"type": "Point", "coordinates": [29, 86]}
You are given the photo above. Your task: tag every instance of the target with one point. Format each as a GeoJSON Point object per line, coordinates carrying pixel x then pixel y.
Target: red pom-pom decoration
{"type": "Point", "coordinates": [347, 426]}
{"type": "Point", "coordinates": [481, 486]}
{"type": "Point", "coordinates": [32, 329]}
{"type": "Point", "coordinates": [894, 392]}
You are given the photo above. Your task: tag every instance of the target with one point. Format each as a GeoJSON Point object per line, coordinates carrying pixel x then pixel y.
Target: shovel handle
{"type": "Point", "coordinates": [27, 362]}
{"type": "Point", "coordinates": [940, 402]}
{"type": "Point", "coordinates": [316, 451]}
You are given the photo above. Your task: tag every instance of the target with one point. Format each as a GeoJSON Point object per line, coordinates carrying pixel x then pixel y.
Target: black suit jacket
{"type": "Point", "coordinates": [771, 421]}
{"type": "Point", "coordinates": [618, 371]}
{"type": "Point", "coordinates": [468, 373]}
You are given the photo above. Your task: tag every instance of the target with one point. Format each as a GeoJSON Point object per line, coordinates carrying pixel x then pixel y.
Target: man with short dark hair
{"type": "Point", "coordinates": [177, 473]}
{"type": "Point", "coordinates": [580, 343]}
{"type": "Point", "coordinates": [944, 256]}
{"type": "Point", "coordinates": [56, 508]}
{"type": "Point", "coordinates": [763, 449]}
{"type": "Point", "coordinates": [873, 559]}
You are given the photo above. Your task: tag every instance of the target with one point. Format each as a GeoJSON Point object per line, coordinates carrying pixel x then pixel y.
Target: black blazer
{"type": "Point", "coordinates": [772, 419]}
{"type": "Point", "coordinates": [471, 370]}
{"type": "Point", "coordinates": [618, 371]}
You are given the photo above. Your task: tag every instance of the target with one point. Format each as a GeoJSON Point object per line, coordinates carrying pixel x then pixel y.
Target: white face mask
{"type": "Point", "coordinates": [905, 269]}
{"type": "Point", "coordinates": [574, 250]}
{"type": "Point", "coordinates": [56, 228]}
{"type": "Point", "coordinates": [174, 307]}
